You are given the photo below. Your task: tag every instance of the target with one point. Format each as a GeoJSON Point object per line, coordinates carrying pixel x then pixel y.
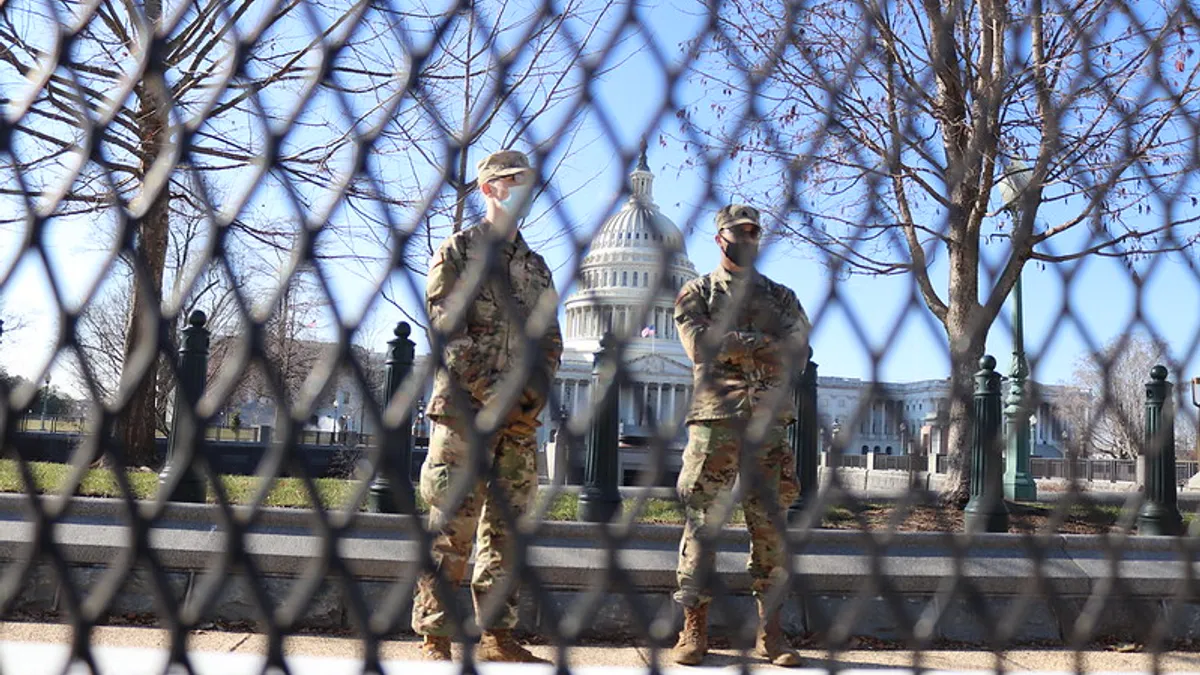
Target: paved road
{"type": "Point", "coordinates": [28, 648]}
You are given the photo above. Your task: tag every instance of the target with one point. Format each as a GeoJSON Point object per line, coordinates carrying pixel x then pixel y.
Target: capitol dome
{"type": "Point", "coordinates": [621, 272]}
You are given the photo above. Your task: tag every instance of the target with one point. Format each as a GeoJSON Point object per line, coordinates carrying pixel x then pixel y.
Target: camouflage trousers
{"type": "Point", "coordinates": [712, 462]}
{"type": "Point", "coordinates": [506, 488]}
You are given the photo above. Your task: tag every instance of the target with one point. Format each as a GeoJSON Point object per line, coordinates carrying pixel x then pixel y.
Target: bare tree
{"type": "Point", "coordinates": [101, 328]}
{"type": "Point", "coordinates": [1107, 413]}
{"type": "Point", "coordinates": [103, 124]}
{"type": "Point", "coordinates": [107, 126]}
{"type": "Point", "coordinates": [879, 131]}
{"type": "Point", "coordinates": [493, 73]}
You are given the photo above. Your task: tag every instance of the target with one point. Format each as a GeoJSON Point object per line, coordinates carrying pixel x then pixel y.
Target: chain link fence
{"type": "Point", "coordinates": [222, 223]}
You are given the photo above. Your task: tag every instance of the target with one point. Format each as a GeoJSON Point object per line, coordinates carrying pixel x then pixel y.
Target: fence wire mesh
{"type": "Point", "coordinates": [214, 212]}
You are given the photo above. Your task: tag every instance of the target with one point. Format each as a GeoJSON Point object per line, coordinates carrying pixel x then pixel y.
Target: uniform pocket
{"type": "Point", "coordinates": [435, 484]}
{"type": "Point", "coordinates": [710, 462]}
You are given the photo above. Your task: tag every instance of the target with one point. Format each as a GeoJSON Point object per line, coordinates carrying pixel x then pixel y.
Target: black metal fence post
{"type": "Point", "coordinates": [193, 373]}
{"type": "Point", "coordinates": [395, 445]}
{"type": "Point", "coordinates": [805, 438]}
{"type": "Point", "coordinates": [600, 500]}
{"type": "Point", "coordinates": [1160, 513]}
{"type": "Point", "coordinates": [986, 511]}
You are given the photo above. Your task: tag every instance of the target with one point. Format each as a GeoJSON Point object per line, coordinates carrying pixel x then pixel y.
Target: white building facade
{"type": "Point", "coordinates": [910, 417]}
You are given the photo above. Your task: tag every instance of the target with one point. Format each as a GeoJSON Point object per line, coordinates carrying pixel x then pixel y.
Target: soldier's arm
{"type": "Point", "coordinates": [552, 348]}
{"type": "Point", "coordinates": [551, 345]}
{"type": "Point", "coordinates": [791, 347]}
{"type": "Point", "coordinates": [536, 393]}
{"type": "Point", "coordinates": [693, 321]}
{"type": "Point", "coordinates": [447, 308]}
{"type": "Point", "coordinates": [552, 340]}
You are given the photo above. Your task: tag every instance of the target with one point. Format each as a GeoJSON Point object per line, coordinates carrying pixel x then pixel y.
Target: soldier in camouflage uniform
{"type": "Point", "coordinates": [487, 291]}
{"type": "Point", "coordinates": [746, 336]}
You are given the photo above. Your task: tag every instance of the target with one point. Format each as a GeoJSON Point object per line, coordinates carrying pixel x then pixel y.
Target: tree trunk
{"type": "Point", "coordinates": [967, 336]}
{"type": "Point", "coordinates": [137, 420]}
{"type": "Point", "coordinates": [963, 365]}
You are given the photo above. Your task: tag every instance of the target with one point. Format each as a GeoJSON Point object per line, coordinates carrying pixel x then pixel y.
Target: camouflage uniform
{"type": "Point", "coordinates": [482, 357]}
{"type": "Point", "coordinates": [745, 335]}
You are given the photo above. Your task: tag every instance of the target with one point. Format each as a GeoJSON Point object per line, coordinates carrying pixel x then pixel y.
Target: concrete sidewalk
{"type": "Point", "coordinates": [39, 648]}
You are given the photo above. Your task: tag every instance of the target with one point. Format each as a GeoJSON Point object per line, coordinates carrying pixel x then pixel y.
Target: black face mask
{"type": "Point", "coordinates": [741, 253]}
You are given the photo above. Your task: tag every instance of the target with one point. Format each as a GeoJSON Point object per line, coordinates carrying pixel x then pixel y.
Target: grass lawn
{"type": "Point", "coordinates": [49, 478]}
{"type": "Point", "coordinates": [333, 493]}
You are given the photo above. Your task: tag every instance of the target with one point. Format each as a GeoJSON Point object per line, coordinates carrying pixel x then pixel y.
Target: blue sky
{"type": "Point", "coordinates": [1102, 299]}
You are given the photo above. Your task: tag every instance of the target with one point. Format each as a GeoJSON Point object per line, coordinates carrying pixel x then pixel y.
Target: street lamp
{"type": "Point", "coordinates": [1196, 402]}
{"type": "Point", "coordinates": [1018, 485]}
{"type": "Point", "coordinates": [45, 400]}
{"type": "Point", "coordinates": [335, 420]}
{"type": "Point", "coordinates": [1068, 455]}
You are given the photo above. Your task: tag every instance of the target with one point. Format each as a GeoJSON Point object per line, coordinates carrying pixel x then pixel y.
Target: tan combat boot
{"type": "Point", "coordinates": [772, 644]}
{"type": "Point", "coordinates": [436, 648]}
{"type": "Point", "coordinates": [500, 645]}
{"type": "Point", "coordinates": [693, 639]}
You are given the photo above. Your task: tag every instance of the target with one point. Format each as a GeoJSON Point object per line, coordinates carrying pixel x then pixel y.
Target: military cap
{"type": "Point", "coordinates": [502, 163]}
{"type": "Point", "coordinates": [736, 214]}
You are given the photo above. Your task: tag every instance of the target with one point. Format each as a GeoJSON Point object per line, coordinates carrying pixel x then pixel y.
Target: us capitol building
{"type": "Point", "coordinates": [617, 282]}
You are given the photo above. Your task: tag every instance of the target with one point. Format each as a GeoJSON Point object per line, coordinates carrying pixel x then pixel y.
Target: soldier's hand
{"type": "Point", "coordinates": [538, 385]}
{"type": "Point", "coordinates": [753, 338]}
{"type": "Point", "coordinates": [738, 343]}
{"type": "Point", "coordinates": [522, 427]}
{"type": "Point", "coordinates": [520, 421]}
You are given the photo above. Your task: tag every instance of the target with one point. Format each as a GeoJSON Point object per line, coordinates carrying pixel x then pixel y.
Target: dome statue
{"type": "Point", "coordinates": [624, 284]}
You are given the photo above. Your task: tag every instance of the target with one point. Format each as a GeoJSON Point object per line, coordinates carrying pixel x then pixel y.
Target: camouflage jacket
{"type": "Point", "coordinates": [744, 343]}
{"type": "Point", "coordinates": [482, 306]}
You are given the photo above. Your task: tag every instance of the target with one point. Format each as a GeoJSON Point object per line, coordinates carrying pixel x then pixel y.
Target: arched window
{"type": "Point", "coordinates": [865, 449]}
{"type": "Point", "coordinates": [624, 278]}
{"type": "Point", "coordinates": [645, 279]}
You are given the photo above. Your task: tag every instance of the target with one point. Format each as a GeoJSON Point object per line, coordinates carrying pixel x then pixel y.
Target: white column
{"type": "Point", "coordinates": [671, 404]}
{"type": "Point", "coordinates": [658, 409]}
{"type": "Point", "coordinates": [562, 392]}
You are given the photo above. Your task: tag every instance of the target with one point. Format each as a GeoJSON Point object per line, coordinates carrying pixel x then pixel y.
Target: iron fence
{"type": "Point", "coordinates": [216, 205]}
{"type": "Point", "coordinates": [899, 463]}
{"type": "Point", "coordinates": [847, 461]}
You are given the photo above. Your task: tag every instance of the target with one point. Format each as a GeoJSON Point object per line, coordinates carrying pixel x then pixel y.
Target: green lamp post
{"type": "Point", "coordinates": [1018, 484]}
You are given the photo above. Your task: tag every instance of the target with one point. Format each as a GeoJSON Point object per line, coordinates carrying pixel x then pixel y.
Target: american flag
{"type": "Point", "coordinates": [648, 331]}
